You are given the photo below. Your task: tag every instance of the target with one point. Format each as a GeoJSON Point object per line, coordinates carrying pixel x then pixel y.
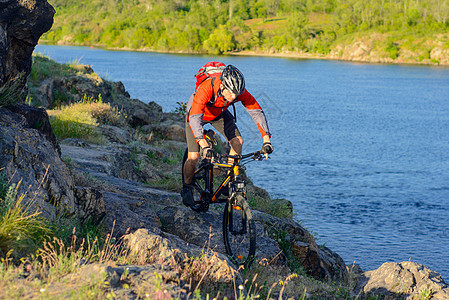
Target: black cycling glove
{"type": "Point", "coordinates": [207, 152]}
{"type": "Point", "coordinates": [267, 148]}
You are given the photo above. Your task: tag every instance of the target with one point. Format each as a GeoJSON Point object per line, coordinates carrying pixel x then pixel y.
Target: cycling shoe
{"type": "Point", "coordinates": [187, 196]}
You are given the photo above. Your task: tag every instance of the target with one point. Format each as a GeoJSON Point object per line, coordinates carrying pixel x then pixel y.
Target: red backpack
{"type": "Point", "coordinates": [212, 70]}
{"type": "Point", "coordinates": [209, 70]}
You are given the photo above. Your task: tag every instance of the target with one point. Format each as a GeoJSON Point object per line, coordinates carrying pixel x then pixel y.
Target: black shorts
{"type": "Point", "coordinates": [224, 124]}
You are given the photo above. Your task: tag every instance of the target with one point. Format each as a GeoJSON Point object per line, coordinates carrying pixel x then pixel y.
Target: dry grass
{"type": "Point", "coordinates": [59, 271]}
{"type": "Point", "coordinates": [81, 119]}
{"type": "Point", "coordinates": [275, 282]}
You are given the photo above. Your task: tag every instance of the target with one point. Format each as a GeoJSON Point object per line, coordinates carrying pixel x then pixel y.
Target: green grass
{"type": "Point", "coordinates": [174, 158]}
{"type": "Point", "coordinates": [275, 207]}
{"type": "Point", "coordinates": [80, 120]}
{"type": "Point", "coordinates": [21, 227]}
{"type": "Point", "coordinates": [12, 92]}
{"type": "Point", "coordinates": [170, 182]}
{"type": "Point", "coordinates": [44, 67]}
{"type": "Point", "coordinates": [75, 121]}
{"type": "Point", "coordinates": [4, 186]}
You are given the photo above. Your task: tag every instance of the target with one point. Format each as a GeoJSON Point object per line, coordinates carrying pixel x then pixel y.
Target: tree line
{"type": "Point", "coordinates": [220, 26]}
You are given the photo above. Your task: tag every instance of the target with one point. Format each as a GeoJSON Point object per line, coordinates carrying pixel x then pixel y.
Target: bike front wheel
{"type": "Point", "coordinates": [239, 231]}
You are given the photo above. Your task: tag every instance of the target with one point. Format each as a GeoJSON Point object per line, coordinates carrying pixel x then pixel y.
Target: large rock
{"type": "Point", "coordinates": [440, 54]}
{"type": "Point", "coordinates": [30, 158]}
{"type": "Point", "coordinates": [169, 129]}
{"type": "Point", "coordinates": [22, 22]}
{"type": "Point", "coordinates": [146, 246]}
{"type": "Point", "coordinates": [37, 118]}
{"type": "Point", "coordinates": [406, 280]}
{"type": "Point", "coordinates": [205, 230]}
{"type": "Point", "coordinates": [319, 262]}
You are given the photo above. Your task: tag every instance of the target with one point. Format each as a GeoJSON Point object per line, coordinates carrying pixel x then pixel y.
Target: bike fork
{"type": "Point", "coordinates": [235, 209]}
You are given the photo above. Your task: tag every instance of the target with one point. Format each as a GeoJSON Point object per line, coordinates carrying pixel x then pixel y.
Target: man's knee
{"type": "Point", "coordinates": [237, 141]}
{"type": "Point", "coordinates": [192, 157]}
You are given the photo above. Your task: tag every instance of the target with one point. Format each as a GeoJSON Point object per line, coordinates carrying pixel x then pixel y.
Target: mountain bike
{"type": "Point", "coordinates": [239, 229]}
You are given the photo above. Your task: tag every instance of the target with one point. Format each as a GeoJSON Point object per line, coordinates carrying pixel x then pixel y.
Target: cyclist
{"type": "Point", "coordinates": [208, 105]}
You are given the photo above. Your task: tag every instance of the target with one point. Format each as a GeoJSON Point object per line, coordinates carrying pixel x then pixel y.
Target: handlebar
{"type": "Point", "coordinates": [254, 155]}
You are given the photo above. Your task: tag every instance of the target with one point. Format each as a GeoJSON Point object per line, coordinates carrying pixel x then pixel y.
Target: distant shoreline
{"type": "Point", "coordinates": [288, 54]}
{"type": "Point", "coordinates": [302, 55]}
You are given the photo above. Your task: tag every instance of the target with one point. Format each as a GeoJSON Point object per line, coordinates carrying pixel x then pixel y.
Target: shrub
{"type": "Point", "coordinates": [220, 41]}
{"type": "Point", "coordinates": [393, 50]}
{"type": "Point", "coordinates": [181, 108]}
{"type": "Point", "coordinates": [71, 122]}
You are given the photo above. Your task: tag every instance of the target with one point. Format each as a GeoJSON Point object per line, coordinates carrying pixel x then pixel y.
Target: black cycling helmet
{"type": "Point", "coordinates": [233, 80]}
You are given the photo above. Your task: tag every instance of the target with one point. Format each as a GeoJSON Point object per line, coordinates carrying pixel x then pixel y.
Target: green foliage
{"type": "Point", "coordinates": [392, 50]}
{"type": "Point", "coordinates": [425, 294]}
{"type": "Point", "coordinates": [3, 185]}
{"type": "Point", "coordinates": [64, 256]}
{"type": "Point", "coordinates": [69, 122]}
{"type": "Point", "coordinates": [286, 246]}
{"type": "Point", "coordinates": [181, 108]}
{"type": "Point", "coordinates": [274, 207]}
{"type": "Point", "coordinates": [221, 26]}
{"type": "Point", "coordinates": [220, 41]}
{"type": "Point", "coordinates": [167, 182]}
{"type": "Point", "coordinates": [44, 67]}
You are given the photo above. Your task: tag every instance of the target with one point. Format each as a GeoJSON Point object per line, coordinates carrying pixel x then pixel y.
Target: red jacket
{"type": "Point", "coordinates": [200, 111]}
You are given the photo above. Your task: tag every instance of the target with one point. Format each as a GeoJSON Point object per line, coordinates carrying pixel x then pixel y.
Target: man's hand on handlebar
{"type": "Point", "coordinates": [207, 153]}
{"type": "Point", "coordinates": [206, 150]}
{"type": "Point", "coordinates": [267, 148]}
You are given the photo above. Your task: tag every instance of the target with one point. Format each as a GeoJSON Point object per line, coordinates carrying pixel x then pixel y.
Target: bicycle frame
{"type": "Point", "coordinates": [239, 228]}
{"type": "Point", "coordinates": [208, 166]}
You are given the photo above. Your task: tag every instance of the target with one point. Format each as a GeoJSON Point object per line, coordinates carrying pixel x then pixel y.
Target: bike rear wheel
{"type": "Point", "coordinates": [239, 231]}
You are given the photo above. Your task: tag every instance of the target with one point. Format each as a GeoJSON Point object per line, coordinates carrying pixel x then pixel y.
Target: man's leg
{"type": "Point", "coordinates": [189, 167]}
{"type": "Point", "coordinates": [236, 147]}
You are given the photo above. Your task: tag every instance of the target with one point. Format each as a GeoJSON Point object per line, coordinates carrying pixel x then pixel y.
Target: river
{"type": "Point", "coordinates": [362, 150]}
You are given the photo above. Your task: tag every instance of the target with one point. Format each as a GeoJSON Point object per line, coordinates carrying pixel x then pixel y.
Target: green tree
{"type": "Point", "coordinates": [220, 41]}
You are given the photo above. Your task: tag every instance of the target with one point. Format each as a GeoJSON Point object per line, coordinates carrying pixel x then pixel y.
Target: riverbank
{"type": "Point", "coordinates": [305, 55]}
{"type": "Point", "coordinates": [363, 50]}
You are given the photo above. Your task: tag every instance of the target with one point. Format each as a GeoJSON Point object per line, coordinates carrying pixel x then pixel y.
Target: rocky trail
{"type": "Point", "coordinates": [155, 223]}
{"type": "Point", "coordinates": [131, 205]}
